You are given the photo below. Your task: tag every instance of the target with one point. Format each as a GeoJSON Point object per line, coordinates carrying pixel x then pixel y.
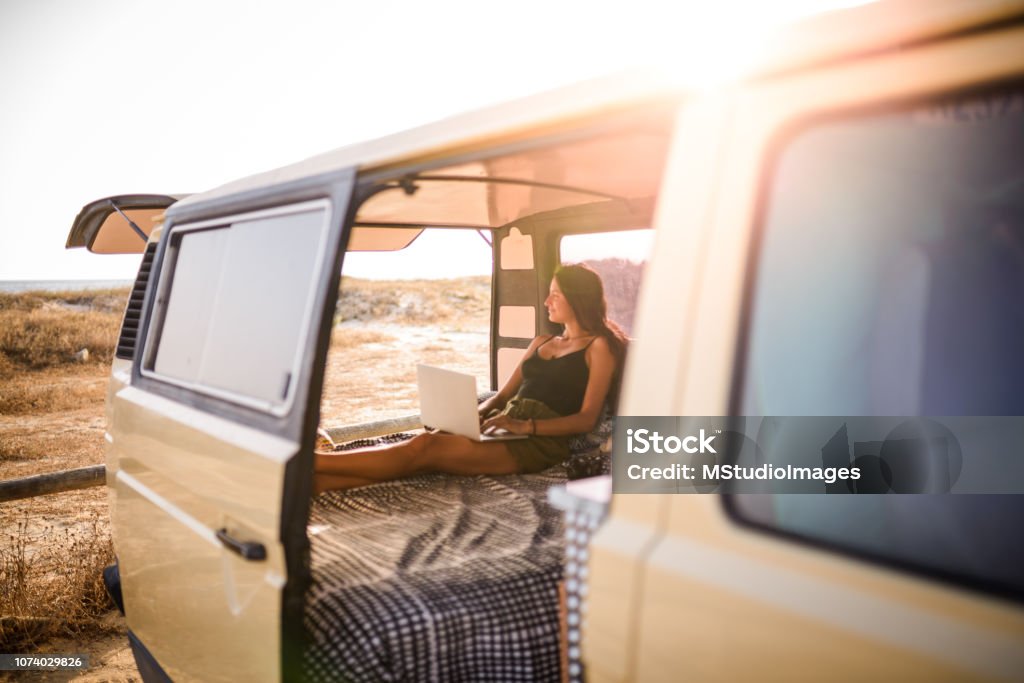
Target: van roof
{"type": "Point", "coordinates": [495, 125]}
{"type": "Point", "coordinates": [830, 37]}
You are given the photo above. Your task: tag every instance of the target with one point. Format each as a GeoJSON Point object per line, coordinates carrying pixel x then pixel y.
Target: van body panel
{"type": "Point", "coordinates": [877, 27]}
{"type": "Point", "coordinates": [723, 589]}
{"type": "Point", "coordinates": [195, 604]}
{"type": "Point", "coordinates": [120, 376]}
{"type": "Point", "coordinates": [619, 548]}
{"type": "Point", "coordinates": [616, 552]}
{"type": "Point", "coordinates": [657, 359]}
{"type": "Point", "coordinates": [742, 619]}
{"type": "Point", "coordinates": [722, 602]}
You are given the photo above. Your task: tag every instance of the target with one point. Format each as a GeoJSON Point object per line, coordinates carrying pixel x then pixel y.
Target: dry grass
{"type": "Point", "coordinates": [54, 589]}
{"type": "Point", "coordinates": [431, 302]}
{"type": "Point", "coordinates": [103, 300]}
{"type": "Point", "coordinates": [53, 550]}
{"type": "Point", "coordinates": [48, 337]}
{"type": "Point", "coordinates": [40, 331]}
{"type": "Point", "coordinates": [352, 337]}
{"type": "Point", "coordinates": [68, 388]}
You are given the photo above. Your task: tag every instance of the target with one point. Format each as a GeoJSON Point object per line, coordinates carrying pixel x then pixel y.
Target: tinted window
{"type": "Point", "coordinates": [890, 281]}
{"type": "Point", "coordinates": [236, 304]}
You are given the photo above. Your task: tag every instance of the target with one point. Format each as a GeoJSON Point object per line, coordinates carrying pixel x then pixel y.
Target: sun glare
{"type": "Point", "coordinates": [701, 46]}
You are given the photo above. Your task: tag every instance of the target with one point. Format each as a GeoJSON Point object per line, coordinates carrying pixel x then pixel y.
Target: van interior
{"type": "Point", "coordinates": [437, 576]}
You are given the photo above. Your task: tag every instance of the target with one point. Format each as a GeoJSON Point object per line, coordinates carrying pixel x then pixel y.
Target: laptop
{"type": "Point", "coordinates": [448, 402]}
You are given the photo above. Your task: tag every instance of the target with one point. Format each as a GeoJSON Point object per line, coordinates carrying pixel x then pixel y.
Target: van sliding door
{"type": "Point", "coordinates": [213, 437]}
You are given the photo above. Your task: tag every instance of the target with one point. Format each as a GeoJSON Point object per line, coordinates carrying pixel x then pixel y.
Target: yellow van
{"type": "Point", "coordinates": [841, 233]}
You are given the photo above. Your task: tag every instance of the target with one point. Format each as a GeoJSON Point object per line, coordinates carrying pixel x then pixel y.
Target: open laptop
{"type": "Point", "coordinates": [448, 403]}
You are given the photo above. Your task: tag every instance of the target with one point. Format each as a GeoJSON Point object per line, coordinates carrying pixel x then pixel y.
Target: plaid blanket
{"type": "Point", "coordinates": [436, 578]}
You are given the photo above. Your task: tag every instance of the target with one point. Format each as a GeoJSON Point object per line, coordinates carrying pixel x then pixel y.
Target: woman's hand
{"type": "Point", "coordinates": [507, 423]}
{"type": "Point", "coordinates": [484, 411]}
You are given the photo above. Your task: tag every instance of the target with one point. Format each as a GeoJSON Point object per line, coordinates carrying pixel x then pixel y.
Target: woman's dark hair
{"type": "Point", "coordinates": [583, 289]}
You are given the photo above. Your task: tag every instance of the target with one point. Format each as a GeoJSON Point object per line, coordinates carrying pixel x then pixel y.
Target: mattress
{"type": "Point", "coordinates": [436, 578]}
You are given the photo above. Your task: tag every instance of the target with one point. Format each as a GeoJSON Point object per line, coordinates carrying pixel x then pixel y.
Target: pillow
{"type": "Point", "coordinates": [590, 454]}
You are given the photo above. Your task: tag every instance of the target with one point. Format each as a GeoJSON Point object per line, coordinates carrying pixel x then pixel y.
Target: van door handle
{"type": "Point", "coordinates": [250, 550]}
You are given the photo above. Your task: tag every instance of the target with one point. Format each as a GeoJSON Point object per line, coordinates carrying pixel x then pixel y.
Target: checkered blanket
{"type": "Point", "coordinates": [436, 578]}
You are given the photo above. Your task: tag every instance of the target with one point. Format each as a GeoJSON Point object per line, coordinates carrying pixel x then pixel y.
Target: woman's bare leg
{"type": "Point", "coordinates": [424, 453]}
{"type": "Point", "coordinates": [331, 482]}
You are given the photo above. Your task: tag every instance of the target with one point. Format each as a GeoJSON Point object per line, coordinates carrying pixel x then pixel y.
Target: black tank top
{"type": "Point", "coordinates": [559, 383]}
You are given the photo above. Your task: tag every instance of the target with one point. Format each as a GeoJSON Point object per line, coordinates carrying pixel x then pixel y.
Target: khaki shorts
{"type": "Point", "coordinates": [535, 453]}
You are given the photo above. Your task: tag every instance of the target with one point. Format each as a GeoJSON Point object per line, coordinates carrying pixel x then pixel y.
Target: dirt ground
{"type": "Point", "coordinates": [370, 375]}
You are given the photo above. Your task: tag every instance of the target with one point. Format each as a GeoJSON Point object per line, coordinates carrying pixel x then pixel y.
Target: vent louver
{"type": "Point", "coordinates": [133, 313]}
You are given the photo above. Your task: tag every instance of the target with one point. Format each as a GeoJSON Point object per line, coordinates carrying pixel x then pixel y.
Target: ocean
{"type": "Point", "coordinates": [60, 285]}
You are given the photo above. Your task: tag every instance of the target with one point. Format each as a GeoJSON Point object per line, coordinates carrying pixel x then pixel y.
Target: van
{"type": "Point", "coordinates": [841, 233]}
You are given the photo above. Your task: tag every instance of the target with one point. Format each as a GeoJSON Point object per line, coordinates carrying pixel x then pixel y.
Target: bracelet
{"type": "Point", "coordinates": [533, 427]}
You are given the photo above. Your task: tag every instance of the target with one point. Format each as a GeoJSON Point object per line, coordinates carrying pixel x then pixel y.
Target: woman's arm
{"type": "Point", "coordinates": [498, 401]}
{"type": "Point", "coordinates": [601, 364]}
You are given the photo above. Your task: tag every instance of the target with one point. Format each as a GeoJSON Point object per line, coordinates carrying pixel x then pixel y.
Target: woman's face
{"type": "Point", "coordinates": [559, 310]}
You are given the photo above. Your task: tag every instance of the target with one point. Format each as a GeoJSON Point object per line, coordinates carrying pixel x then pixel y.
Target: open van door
{"type": "Point", "coordinates": [120, 224]}
{"type": "Point", "coordinates": [213, 437]}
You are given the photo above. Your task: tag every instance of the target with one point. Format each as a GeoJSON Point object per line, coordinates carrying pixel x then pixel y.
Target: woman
{"type": "Point", "coordinates": [559, 389]}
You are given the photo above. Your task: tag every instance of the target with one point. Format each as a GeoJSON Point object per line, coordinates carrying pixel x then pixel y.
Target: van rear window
{"type": "Point", "coordinates": [234, 305]}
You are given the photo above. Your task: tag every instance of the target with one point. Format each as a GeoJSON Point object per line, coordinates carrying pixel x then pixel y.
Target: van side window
{"type": "Point", "coordinates": [229, 285]}
{"type": "Point", "coordinates": [889, 282]}
{"type": "Point", "coordinates": [619, 258]}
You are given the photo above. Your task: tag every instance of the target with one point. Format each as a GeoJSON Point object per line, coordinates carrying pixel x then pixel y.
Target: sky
{"type": "Point", "coordinates": [131, 96]}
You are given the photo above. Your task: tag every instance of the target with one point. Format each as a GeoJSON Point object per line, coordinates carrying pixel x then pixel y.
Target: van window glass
{"type": "Point", "coordinates": [251, 280]}
{"type": "Point", "coordinates": [619, 258]}
{"type": "Point", "coordinates": [889, 282]}
{"type": "Point", "coordinates": [189, 306]}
